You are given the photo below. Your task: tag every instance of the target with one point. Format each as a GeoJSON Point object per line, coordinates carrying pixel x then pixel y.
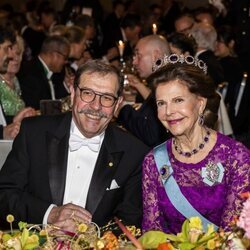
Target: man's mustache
{"type": "Point", "coordinates": [92, 112]}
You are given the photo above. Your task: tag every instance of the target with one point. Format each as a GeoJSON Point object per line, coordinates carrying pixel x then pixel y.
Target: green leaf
{"type": "Point", "coordinates": [206, 238]}
{"type": "Point", "coordinates": [174, 237]}
{"type": "Point", "coordinates": [185, 229]}
{"type": "Point", "coordinates": [30, 246]}
{"type": "Point", "coordinates": [25, 235]}
{"type": "Point", "coordinates": [22, 225]}
{"type": "Point", "coordinates": [152, 239]}
{"type": "Point", "coordinates": [186, 246]}
{"type": "Point", "coordinates": [6, 237]}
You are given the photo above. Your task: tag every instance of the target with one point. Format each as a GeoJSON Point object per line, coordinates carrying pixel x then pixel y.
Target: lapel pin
{"type": "Point", "coordinates": [111, 164]}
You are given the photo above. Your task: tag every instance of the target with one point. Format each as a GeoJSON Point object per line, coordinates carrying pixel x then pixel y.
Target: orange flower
{"type": "Point", "coordinates": [111, 241]}
{"type": "Point", "coordinates": [165, 246]}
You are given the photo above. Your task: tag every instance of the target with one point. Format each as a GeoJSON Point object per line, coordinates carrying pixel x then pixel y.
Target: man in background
{"type": "Point", "coordinates": [143, 123]}
{"type": "Point", "coordinates": [35, 75]}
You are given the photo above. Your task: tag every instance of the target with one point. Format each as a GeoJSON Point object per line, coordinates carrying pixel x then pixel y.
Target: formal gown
{"type": "Point", "coordinates": [11, 98]}
{"type": "Point", "coordinates": [218, 203]}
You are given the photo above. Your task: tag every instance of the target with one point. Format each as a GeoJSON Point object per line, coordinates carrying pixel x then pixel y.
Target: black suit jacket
{"type": "Point", "coordinates": [144, 123]}
{"type": "Point", "coordinates": [34, 174]}
{"type": "Point", "coordinates": [34, 83]}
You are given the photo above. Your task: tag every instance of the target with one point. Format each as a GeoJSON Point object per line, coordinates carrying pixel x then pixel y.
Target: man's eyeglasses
{"type": "Point", "coordinates": [89, 95]}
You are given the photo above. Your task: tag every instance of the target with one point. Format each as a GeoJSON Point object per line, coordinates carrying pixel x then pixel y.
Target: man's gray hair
{"type": "Point", "coordinates": [54, 43]}
{"type": "Point", "coordinates": [205, 35]}
{"type": "Point", "coordinates": [99, 67]}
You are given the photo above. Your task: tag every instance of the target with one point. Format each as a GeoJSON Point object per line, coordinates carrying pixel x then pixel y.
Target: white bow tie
{"type": "Point", "coordinates": [75, 142]}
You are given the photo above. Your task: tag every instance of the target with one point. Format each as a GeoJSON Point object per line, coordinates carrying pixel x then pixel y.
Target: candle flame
{"type": "Point", "coordinates": [121, 47]}
{"type": "Point", "coordinates": [154, 28]}
{"type": "Point", "coordinates": [121, 43]}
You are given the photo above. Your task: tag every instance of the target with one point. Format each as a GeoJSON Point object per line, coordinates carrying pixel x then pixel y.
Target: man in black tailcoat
{"type": "Point", "coordinates": [76, 166]}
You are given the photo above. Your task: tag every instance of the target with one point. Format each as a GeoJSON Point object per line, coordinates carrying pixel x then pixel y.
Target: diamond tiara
{"type": "Point", "coordinates": [174, 58]}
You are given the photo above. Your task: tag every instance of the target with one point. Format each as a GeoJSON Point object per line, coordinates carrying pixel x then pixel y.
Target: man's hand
{"type": "Point", "coordinates": [11, 131]}
{"type": "Point", "coordinates": [68, 216]}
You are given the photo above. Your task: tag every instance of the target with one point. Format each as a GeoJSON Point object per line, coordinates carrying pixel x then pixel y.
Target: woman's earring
{"type": "Point", "coordinates": [167, 130]}
{"type": "Point", "coordinates": [157, 64]}
{"type": "Point", "coordinates": [201, 119]}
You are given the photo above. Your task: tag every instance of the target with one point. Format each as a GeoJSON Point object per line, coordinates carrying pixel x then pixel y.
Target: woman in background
{"type": "Point", "coordinates": [182, 44]}
{"type": "Point", "coordinates": [10, 92]}
{"type": "Point", "coordinates": [198, 172]}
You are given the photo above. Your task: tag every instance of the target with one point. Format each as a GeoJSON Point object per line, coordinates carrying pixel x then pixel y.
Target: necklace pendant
{"type": "Point", "coordinates": [212, 173]}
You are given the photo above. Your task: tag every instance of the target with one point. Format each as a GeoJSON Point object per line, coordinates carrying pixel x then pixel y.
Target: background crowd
{"type": "Point", "coordinates": [213, 33]}
{"type": "Point", "coordinates": [217, 34]}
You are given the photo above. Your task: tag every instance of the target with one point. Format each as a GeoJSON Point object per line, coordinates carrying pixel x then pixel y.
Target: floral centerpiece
{"type": "Point", "coordinates": [89, 236]}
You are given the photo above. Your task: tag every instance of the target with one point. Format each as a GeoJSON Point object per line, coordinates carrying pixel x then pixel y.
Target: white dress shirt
{"type": "Point", "coordinates": [80, 167]}
{"type": "Point", "coordinates": [49, 75]}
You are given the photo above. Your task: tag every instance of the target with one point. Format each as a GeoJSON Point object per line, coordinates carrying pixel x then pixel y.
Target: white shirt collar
{"type": "Point", "coordinates": [49, 72]}
{"type": "Point", "coordinates": [74, 130]}
{"type": "Point", "coordinates": [199, 52]}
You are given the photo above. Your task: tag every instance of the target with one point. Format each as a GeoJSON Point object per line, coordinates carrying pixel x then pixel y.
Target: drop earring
{"type": "Point", "coordinates": [201, 119]}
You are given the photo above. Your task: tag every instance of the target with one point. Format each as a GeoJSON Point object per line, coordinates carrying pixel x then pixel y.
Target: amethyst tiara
{"type": "Point", "coordinates": [174, 58]}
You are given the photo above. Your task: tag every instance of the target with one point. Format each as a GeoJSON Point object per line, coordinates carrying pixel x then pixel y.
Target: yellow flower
{"type": "Point", "coordinates": [82, 228]}
{"type": "Point", "coordinates": [34, 238]}
{"type": "Point", "coordinates": [42, 233]}
{"type": "Point", "coordinates": [100, 244]}
{"type": "Point", "coordinates": [195, 222]}
{"type": "Point", "coordinates": [211, 244]}
{"type": "Point", "coordinates": [194, 234]}
{"type": "Point", "coordinates": [210, 229]}
{"type": "Point", "coordinates": [10, 218]}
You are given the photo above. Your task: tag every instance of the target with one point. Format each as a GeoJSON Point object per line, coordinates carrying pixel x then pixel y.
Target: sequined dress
{"type": "Point", "coordinates": [11, 99]}
{"type": "Point", "coordinates": [218, 203]}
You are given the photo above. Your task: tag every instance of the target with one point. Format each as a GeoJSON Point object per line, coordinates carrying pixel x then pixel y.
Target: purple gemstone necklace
{"type": "Point", "coordinates": [195, 150]}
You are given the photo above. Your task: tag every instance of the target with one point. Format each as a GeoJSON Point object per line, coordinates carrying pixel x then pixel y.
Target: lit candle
{"type": "Point", "coordinates": [154, 28]}
{"type": "Point", "coordinates": [240, 93]}
{"type": "Point", "coordinates": [136, 243]}
{"type": "Point", "coordinates": [121, 47]}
